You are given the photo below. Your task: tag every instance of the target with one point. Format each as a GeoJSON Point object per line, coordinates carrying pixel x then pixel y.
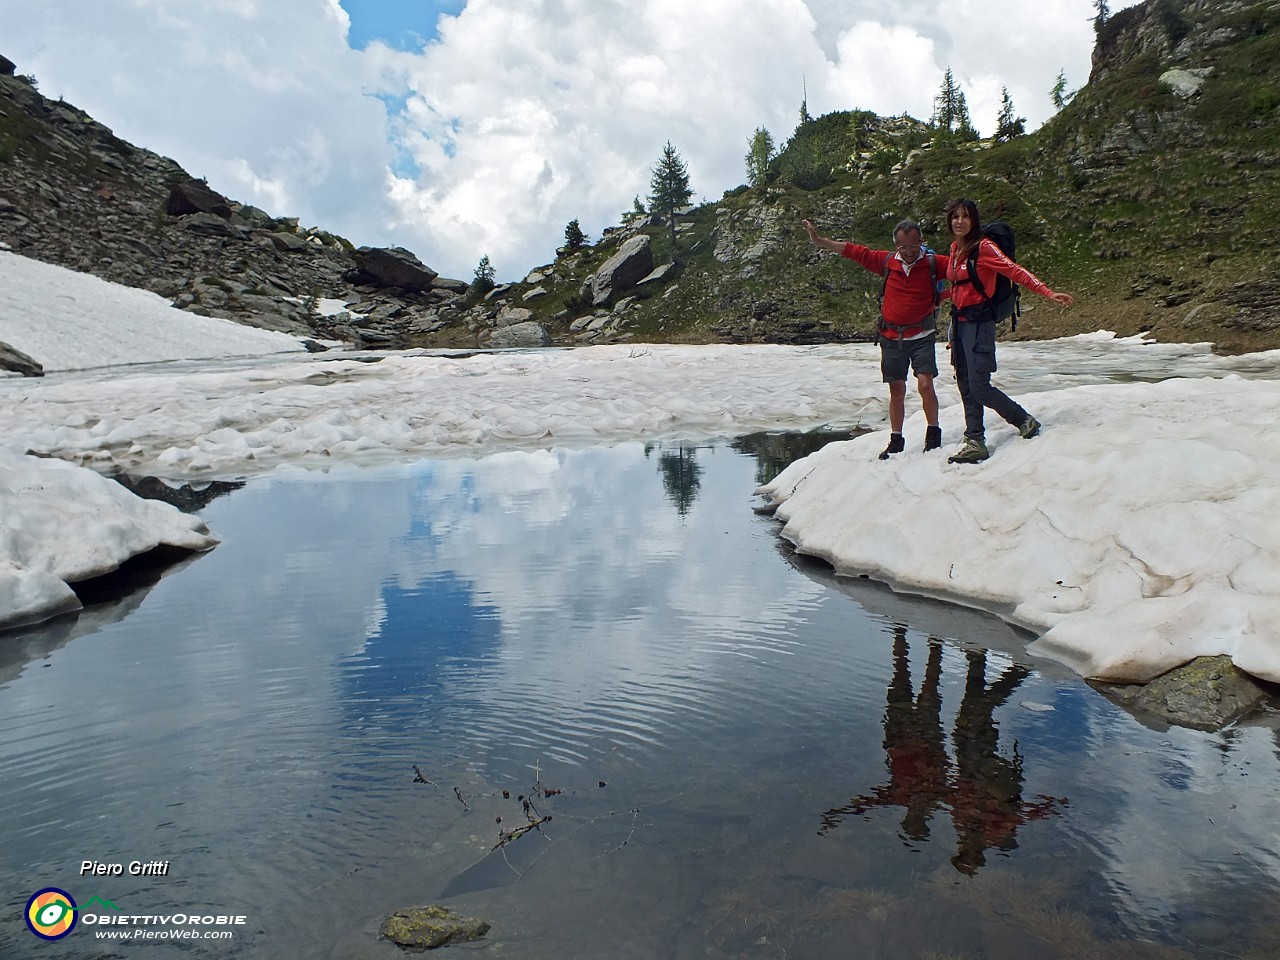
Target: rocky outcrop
{"type": "Point", "coordinates": [74, 194]}
{"type": "Point", "coordinates": [745, 237]}
{"type": "Point", "coordinates": [391, 267]}
{"type": "Point", "coordinates": [1185, 83]}
{"type": "Point", "coordinates": [15, 361]}
{"type": "Point", "coordinates": [622, 271]}
{"type": "Point", "coordinates": [660, 275]}
{"type": "Point", "coordinates": [1172, 31]}
{"type": "Point", "coordinates": [195, 196]}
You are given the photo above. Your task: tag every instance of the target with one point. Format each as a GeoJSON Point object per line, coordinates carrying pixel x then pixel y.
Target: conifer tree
{"type": "Point", "coordinates": [483, 280]}
{"type": "Point", "coordinates": [669, 188]}
{"type": "Point", "coordinates": [1008, 123]}
{"type": "Point", "coordinates": [574, 238]}
{"type": "Point", "coordinates": [759, 155]}
{"type": "Point", "coordinates": [948, 104]}
{"type": "Point", "coordinates": [1103, 13]}
{"type": "Point", "coordinates": [964, 124]}
{"type": "Point", "coordinates": [1059, 94]}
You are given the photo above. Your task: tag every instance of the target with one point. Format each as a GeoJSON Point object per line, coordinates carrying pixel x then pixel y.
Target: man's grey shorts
{"type": "Point", "coordinates": [897, 356]}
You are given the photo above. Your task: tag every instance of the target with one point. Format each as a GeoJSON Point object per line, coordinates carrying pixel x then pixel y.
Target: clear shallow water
{"type": "Point", "coordinates": [740, 755]}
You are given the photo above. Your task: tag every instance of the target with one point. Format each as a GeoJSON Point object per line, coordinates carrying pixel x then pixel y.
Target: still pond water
{"type": "Point", "coordinates": [337, 712]}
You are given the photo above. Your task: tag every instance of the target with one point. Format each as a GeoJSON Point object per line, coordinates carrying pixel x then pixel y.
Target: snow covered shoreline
{"type": "Point", "coordinates": [61, 524]}
{"type": "Point", "coordinates": [1141, 529]}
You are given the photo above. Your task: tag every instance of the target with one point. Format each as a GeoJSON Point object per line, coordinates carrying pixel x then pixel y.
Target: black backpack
{"type": "Point", "coordinates": [1005, 302]}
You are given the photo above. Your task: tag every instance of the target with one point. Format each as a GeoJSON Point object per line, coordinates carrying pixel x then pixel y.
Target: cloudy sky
{"type": "Point", "coordinates": [462, 128]}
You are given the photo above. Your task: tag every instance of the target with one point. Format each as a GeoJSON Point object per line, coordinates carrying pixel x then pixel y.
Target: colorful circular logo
{"type": "Point", "coordinates": [51, 913]}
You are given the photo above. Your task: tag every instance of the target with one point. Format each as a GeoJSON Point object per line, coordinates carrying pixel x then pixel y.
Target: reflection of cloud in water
{"type": "Point", "coordinates": [583, 560]}
{"type": "Point", "coordinates": [1204, 833]}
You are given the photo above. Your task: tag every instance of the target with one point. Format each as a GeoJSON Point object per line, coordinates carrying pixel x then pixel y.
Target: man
{"type": "Point", "coordinates": [908, 323]}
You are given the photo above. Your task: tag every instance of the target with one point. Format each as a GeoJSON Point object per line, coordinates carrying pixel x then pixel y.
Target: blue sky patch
{"type": "Point", "coordinates": [401, 24]}
{"type": "Point", "coordinates": [403, 164]}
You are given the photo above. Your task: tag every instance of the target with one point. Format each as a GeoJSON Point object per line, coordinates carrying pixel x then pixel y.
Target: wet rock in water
{"type": "Point", "coordinates": [1206, 694]}
{"type": "Point", "coordinates": [425, 928]}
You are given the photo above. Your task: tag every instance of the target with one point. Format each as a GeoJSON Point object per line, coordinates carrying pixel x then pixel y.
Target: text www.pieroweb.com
{"type": "Point", "coordinates": [141, 933]}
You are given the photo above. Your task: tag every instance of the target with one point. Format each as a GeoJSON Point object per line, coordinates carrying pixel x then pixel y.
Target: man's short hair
{"type": "Point", "coordinates": [906, 226]}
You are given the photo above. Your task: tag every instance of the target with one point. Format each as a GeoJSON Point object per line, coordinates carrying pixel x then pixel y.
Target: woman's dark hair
{"type": "Point", "coordinates": [975, 222]}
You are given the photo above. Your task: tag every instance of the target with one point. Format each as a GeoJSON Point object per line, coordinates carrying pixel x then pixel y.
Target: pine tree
{"type": "Point", "coordinates": [1059, 93]}
{"type": "Point", "coordinates": [804, 103]}
{"type": "Point", "coordinates": [1008, 123]}
{"type": "Point", "coordinates": [948, 104]}
{"type": "Point", "coordinates": [574, 238]}
{"type": "Point", "coordinates": [669, 188]}
{"type": "Point", "coordinates": [759, 155]}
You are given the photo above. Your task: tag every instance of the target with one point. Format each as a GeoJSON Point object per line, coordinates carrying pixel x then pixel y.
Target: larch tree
{"type": "Point", "coordinates": [760, 154]}
{"type": "Point", "coordinates": [1059, 94]}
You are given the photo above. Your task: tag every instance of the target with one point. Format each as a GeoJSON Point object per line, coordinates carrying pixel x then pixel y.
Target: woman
{"type": "Point", "coordinates": [972, 337]}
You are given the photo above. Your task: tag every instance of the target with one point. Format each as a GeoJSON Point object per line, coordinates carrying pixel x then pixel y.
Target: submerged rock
{"type": "Point", "coordinates": [1206, 694]}
{"type": "Point", "coordinates": [425, 928]}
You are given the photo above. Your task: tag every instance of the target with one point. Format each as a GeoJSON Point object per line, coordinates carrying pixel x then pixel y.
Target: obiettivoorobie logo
{"type": "Point", "coordinates": [51, 913]}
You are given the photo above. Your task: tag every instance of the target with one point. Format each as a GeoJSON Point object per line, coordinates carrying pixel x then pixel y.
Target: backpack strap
{"type": "Point", "coordinates": [973, 273]}
{"type": "Point", "coordinates": [923, 322]}
{"type": "Point", "coordinates": [933, 278]}
{"type": "Point", "coordinates": [987, 300]}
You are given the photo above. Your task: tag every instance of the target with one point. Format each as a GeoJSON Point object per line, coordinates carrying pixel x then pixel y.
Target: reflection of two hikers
{"type": "Point", "coordinates": [981, 788]}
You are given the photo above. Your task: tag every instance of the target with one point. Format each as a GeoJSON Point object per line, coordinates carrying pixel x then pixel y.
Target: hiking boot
{"type": "Point", "coordinates": [896, 445]}
{"type": "Point", "coordinates": [972, 451]}
{"type": "Point", "coordinates": [1030, 427]}
{"type": "Point", "coordinates": [932, 438]}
